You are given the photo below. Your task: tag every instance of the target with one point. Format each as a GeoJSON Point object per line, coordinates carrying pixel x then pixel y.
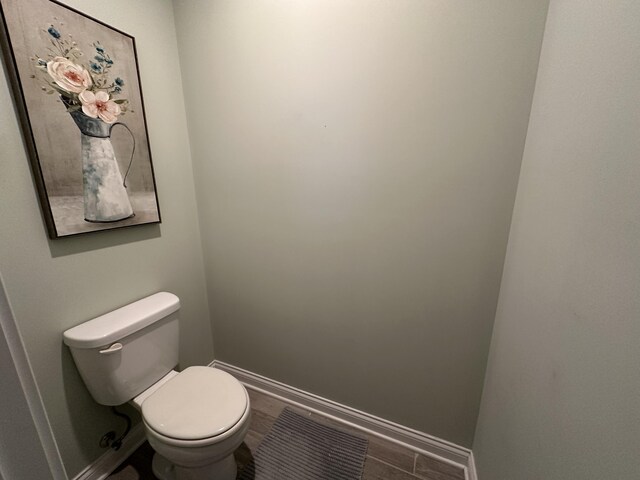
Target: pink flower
{"type": "Point", "coordinates": [98, 105]}
{"type": "Point", "coordinates": [68, 75]}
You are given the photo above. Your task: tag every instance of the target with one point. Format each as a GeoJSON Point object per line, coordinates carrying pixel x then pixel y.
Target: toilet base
{"type": "Point", "coordinates": [224, 469]}
{"type": "Point", "coordinates": [162, 468]}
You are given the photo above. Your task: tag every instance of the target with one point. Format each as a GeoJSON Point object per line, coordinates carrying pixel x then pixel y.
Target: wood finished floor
{"type": "Point", "coordinates": [384, 461]}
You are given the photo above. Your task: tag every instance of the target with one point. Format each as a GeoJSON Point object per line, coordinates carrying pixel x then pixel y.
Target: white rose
{"type": "Point", "coordinates": [98, 104]}
{"type": "Point", "coordinates": [68, 75]}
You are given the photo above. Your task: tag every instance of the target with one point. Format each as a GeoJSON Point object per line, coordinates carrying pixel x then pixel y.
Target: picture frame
{"type": "Point", "coordinates": [77, 89]}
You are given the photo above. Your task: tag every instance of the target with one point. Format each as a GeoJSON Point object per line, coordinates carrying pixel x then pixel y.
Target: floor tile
{"type": "Point", "coordinates": [431, 469]}
{"type": "Point", "coordinates": [127, 473]}
{"type": "Point", "coordinates": [253, 439]}
{"type": "Point", "coordinates": [391, 453]}
{"type": "Point", "coordinates": [265, 403]}
{"type": "Point", "coordinates": [137, 466]}
{"type": "Point", "coordinates": [261, 422]}
{"type": "Point", "coordinates": [243, 456]}
{"type": "Point", "coordinates": [377, 470]}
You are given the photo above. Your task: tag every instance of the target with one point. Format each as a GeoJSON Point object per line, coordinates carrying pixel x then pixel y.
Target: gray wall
{"type": "Point", "coordinates": [356, 164]}
{"type": "Point", "coordinates": [23, 422]}
{"type": "Point", "coordinates": [53, 285]}
{"type": "Point", "coordinates": [562, 389]}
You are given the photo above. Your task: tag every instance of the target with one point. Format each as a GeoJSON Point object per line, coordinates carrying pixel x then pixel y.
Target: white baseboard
{"type": "Point", "coordinates": [471, 473]}
{"type": "Point", "coordinates": [407, 437]}
{"type": "Point", "coordinates": [110, 460]}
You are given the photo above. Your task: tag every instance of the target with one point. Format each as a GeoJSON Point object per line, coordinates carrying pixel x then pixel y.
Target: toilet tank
{"type": "Point", "coordinates": [122, 353]}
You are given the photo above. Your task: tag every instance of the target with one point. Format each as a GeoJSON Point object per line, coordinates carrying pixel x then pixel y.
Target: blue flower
{"type": "Point", "coordinates": [95, 67]}
{"type": "Point", "coordinates": [41, 62]}
{"type": "Point", "coordinates": [119, 82]}
{"type": "Point", "coordinates": [109, 61]}
{"type": "Point", "coordinates": [99, 58]}
{"type": "Point", "coordinates": [99, 49]}
{"type": "Point", "coordinates": [117, 89]}
{"type": "Point", "coordinates": [53, 32]}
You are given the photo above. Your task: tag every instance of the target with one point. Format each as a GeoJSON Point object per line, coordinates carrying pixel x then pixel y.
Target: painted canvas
{"type": "Point", "coordinates": [77, 89]}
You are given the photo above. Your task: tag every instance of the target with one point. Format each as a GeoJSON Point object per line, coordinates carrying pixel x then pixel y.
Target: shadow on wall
{"type": "Point", "coordinates": [61, 247]}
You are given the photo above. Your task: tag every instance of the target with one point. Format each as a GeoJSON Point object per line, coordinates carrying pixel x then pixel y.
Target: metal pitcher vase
{"type": "Point", "coordinates": [105, 189]}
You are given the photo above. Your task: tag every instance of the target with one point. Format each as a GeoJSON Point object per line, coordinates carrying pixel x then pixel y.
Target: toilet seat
{"type": "Point", "coordinates": [197, 407]}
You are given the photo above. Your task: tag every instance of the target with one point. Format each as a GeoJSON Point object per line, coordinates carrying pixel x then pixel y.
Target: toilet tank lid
{"type": "Point", "coordinates": [115, 325]}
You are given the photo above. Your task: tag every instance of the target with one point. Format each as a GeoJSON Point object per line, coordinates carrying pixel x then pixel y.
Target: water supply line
{"type": "Point", "coordinates": [117, 443]}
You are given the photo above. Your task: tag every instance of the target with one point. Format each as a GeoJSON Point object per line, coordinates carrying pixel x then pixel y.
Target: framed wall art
{"type": "Point", "coordinates": [77, 89]}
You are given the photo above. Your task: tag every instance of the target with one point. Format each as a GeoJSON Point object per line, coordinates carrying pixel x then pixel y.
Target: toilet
{"type": "Point", "coordinates": [194, 419]}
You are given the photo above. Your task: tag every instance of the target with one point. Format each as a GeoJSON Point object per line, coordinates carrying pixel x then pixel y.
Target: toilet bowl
{"type": "Point", "coordinates": [194, 420]}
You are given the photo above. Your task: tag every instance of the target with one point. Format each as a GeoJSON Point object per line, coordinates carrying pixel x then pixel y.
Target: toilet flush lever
{"type": "Point", "coordinates": [116, 347]}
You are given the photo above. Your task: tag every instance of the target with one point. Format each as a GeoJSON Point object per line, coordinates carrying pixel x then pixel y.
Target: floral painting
{"type": "Point", "coordinates": [78, 91]}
